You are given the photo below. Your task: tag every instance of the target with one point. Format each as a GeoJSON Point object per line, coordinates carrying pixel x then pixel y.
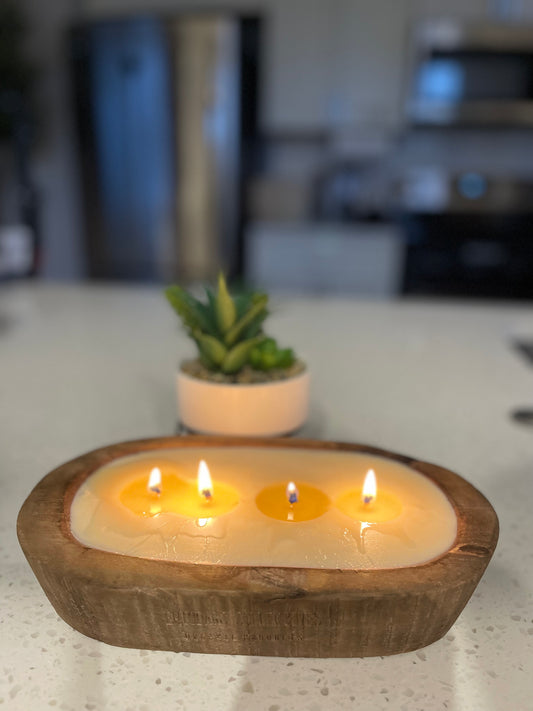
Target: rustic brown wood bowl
{"type": "Point", "coordinates": [273, 611]}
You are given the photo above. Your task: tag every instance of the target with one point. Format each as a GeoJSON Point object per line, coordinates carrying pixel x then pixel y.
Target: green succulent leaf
{"type": "Point", "coordinates": [228, 330]}
{"type": "Point", "coordinates": [194, 315]}
{"type": "Point", "coordinates": [225, 310]}
{"type": "Point", "coordinates": [254, 358]}
{"type": "Point", "coordinates": [255, 326]}
{"type": "Point", "coordinates": [243, 301]}
{"type": "Point", "coordinates": [269, 345]}
{"type": "Point", "coordinates": [269, 360]}
{"type": "Point", "coordinates": [238, 355]}
{"type": "Point", "coordinates": [236, 331]}
{"type": "Point", "coordinates": [267, 355]}
{"type": "Point", "coordinates": [285, 358]}
{"type": "Point", "coordinates": [211, 299]}
{"type": "Point", "coordinates": [258, 297]}
{"type": "Point", "coordinates": [210, 347]}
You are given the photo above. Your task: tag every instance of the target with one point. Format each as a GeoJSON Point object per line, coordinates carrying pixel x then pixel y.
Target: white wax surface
{"type": "Point", "coordinates": [425, 528]}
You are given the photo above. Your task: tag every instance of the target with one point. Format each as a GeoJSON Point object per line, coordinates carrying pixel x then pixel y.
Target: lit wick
{"type": "Point", "coordinates": [369, 488]}
{"type": "Point", "coordinates": [292, 493]}
{"type": "Point", "coordinates": [205, 485]}
{"type": "Point", "coordinates": [154, 482]}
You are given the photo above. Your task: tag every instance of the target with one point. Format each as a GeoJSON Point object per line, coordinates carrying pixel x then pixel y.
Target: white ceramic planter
{"type": "Point", "coordinates": [261, 410]}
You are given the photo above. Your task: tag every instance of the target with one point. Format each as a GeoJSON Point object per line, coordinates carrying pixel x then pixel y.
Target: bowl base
{"type": "Point", "coordinates": [183, 431]}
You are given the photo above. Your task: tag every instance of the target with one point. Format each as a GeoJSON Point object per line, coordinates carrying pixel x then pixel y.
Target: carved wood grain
{"type": "Point", "coordinates": [155, 604]}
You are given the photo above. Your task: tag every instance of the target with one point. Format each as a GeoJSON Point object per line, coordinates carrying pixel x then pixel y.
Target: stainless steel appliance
{"type": "Point", "coordinates": [467, 234]}
{"type": "Point", "coordinates": [471, 74]}
{"type": "Point", "coordinates": [166, 108]}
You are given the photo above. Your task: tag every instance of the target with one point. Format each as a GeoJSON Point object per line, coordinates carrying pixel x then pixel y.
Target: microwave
{"type": "Point", "coordinates": [471, 74]}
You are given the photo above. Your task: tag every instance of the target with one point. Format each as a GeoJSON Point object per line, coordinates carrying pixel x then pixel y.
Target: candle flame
{"type": "Point", "coordinates": [205, 485]}
{"type": "Point", "coordinates": [154, 481]}
{"type": "Point", "coordinates": [292, 493]}
{"type": "Point", "coordinates": [370, 487]}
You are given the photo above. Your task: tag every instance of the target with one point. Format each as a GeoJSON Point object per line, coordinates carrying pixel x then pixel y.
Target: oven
{"type": "Point", "coordinates": [467, 234]}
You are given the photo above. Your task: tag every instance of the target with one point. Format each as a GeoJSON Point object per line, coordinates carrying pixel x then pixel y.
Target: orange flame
{"type": "Point", "coordinates": [205, 484]}
{"type": "Point", "coordinates": [292, 493]}
{"type": "Point", "coordinates": [370, 488]}
{"type": "Point", "coordinates": [154, 481]}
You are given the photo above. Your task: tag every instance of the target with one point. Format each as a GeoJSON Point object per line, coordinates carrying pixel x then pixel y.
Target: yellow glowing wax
{"type": "Point", "coordinates": [273, 502]}
{"type": "Point", "coordinates": [177, 496]}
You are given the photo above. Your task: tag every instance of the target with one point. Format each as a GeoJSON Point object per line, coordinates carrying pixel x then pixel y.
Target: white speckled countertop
{"type": "Point", "coordinates": [84, 366]}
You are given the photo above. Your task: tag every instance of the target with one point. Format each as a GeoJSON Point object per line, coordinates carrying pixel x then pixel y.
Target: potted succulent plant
{"type": "Point", "coordinates": [241, 382]}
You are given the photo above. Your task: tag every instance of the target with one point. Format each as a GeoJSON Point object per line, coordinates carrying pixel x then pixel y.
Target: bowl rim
{"type": "Point", "coordinates": [303, 375]}
{"type": "Point", "coordinates": [43, 528]}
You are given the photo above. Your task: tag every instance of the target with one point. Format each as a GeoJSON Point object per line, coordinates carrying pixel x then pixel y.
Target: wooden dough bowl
{"type": "Point", "coordinates": [291, 612]}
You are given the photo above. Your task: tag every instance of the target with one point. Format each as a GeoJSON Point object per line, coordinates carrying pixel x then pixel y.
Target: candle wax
{"type": "Point", "coordinates": [340, 537]}
{"type": "Point", "coordinates": [311, 503]}
{"type": "Point", "coordinates": [179, 496]}
{"type": "Point", "coordinates": [385, 507]}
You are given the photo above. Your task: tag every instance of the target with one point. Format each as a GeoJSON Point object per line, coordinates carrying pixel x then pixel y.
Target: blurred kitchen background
{"type": "Point", "coordinates": [376, 147]}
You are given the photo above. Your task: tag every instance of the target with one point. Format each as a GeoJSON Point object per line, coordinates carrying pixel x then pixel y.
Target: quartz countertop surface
{"type": "Point", "coordinates": [84, 366]}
